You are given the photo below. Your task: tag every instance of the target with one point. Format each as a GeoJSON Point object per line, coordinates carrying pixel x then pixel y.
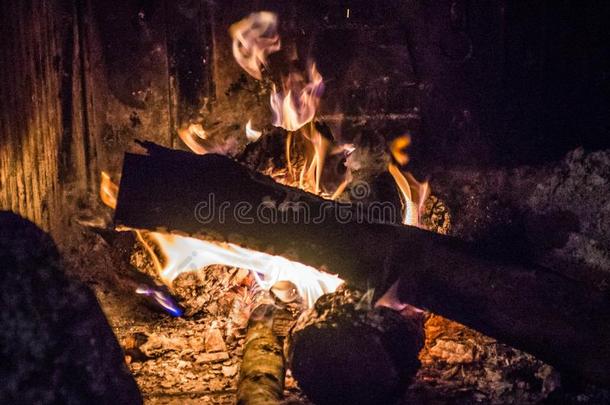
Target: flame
{"type": "Point", "coordinates": [254, 38]}
{"type": "Point", "coordinates": [164, 300]}
{"type": "Point", "coordinates": [413, 194]}
{"type": "Point", "coordinates": [311, 172]}
{"type": "Point", "coordinates": [182, 254]}
{"type": "Point", "coordinates": [108, 191]}
{"type": "Point", "coordinates": [293, 107]}
{"type": "Point", "coordinates": [397, 148]}
{"type": "Point", "coordinates": [195, 138]}
{"type": "Point", "coordinates": [298, 101]}
{"type": "Point", "coordinates": [252, 134]}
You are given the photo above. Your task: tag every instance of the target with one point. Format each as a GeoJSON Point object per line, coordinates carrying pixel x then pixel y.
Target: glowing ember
{"type": "Point", "coordinates": [254, 38]}
{"type": "Point", "coordinates": [252, 134]}
{"type": "Point", "coordinates": [298, 101]}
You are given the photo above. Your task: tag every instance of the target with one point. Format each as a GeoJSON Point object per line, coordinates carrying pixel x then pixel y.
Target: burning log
{"type": "Point", "coordinates": [261, 380]}
{"type": "Point", "coordinates": [341, 351]}
{"type": "Point", "coordinates": [556, 318]}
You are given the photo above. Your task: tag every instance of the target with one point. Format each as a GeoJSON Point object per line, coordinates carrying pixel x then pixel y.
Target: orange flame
{"type": "Point", "coordinates": [298, 101]}
{"type": "Point", "coordinates": [108, 191]}
{"type": "Point", "coordinates": [311, 172]}
{"type": "Point", "coordinates": [413, 194]}
{"type": "Point", "coordinates": [195, 138]}
{"type": "Point", "coordinates": [397, 148]}
{"type": "Point", "coordinates": [254, 38]}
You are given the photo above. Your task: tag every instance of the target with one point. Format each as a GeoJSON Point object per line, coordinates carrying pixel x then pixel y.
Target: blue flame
{"type": "Point", "coordinates": [163, 299]}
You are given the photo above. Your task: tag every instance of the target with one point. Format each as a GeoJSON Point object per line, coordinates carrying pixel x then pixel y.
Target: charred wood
{"type": "Point", "coordinates": [56, 344]}
{"type": "Point", "coordinates": [342, 351]}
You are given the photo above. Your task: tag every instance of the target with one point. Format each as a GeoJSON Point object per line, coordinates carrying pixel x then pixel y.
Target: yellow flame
{"type": "Point", "coordinates": [413, 194]}
{"type": "Point", "coordinates": [254, 38]}
{"type": "Point", "coordinates": [108, 191]}
{"type": "Point", "coordinates": [252, 134]}
{"type": "Point", "coordinates": [298, 101]}
{"type": "Point", "coordinates": [194, 136]}
{"type": "Point", "coordinates": [316, 151]}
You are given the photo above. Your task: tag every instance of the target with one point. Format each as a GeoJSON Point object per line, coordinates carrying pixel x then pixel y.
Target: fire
{"type": "Point", "coordinates": [188, 254]}
{"type": "Point", "coordinates": [252, 134]}
{"type": "Point", "coordinates": [294, 108]}
{"type": "Point", "coordinates": [182, 254]}
{"type": "Point", "coordinates": [298, 101]}
{"type": "Point", "coordinates": [313, 173]}
{"type": "Point", "coordinates": [397, 149]}
{"type": "Point", "coordinates": [194, 136]}
{"type": "Point", "coordinates": [254, 38]}
{"type": "Point", "coordinates": [108, 191]}
{"type": "Point", "coordinates": [413, 194]}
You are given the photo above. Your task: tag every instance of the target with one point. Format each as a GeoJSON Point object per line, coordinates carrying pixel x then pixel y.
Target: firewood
{"type": "Point", "coordinates": [342, 351]}
{"type": "Point", "coordinates": [57, 346]}
{"type": "Point", "coordinates": [557, 319]}
{"type": "Point", "coordinates": [261, 380]}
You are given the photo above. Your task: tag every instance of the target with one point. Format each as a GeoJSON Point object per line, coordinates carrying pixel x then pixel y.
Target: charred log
{"type": "Point", "coordinates": [341, 351]}
{"type": "Point", "coordinates": [56, 346]}
{"type": "Point", "coordinates": [556, 318]}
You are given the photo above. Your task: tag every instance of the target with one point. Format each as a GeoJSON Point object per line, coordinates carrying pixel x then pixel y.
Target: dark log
{"type": "Point", "coordinates": [553, 317]}
{"type": "Point", "coordinates": [56, 345]}
{"type": "Point", "coordinates": [341, 351]}
{"type": "Point", "coordinates": [261, 379]}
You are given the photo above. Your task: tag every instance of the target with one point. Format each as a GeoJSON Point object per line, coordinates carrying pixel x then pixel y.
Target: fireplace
{"type": "Point", "coordinates": [305, 202]}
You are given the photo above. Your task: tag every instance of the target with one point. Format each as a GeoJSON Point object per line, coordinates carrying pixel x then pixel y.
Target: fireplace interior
{"type": "Point", "coordinates": [304, 202]}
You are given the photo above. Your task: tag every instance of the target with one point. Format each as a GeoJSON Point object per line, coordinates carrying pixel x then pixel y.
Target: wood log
{"type": "Point", "coordinates": [57, 346]}
{"type": "Point", "coordinates": [261, 379]}
{"type": "Point", "coordinates": [534, 309]}
{"type": "Point", "coordinates": [342, 351]}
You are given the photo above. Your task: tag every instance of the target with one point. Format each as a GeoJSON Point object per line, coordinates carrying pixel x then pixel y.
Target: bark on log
{"type": "Point", "coordinates": [261, 380]}
{"type": "Point", "coordinates": [341, 351]}
{"type": "Point", "coordinates": [557, 319]}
